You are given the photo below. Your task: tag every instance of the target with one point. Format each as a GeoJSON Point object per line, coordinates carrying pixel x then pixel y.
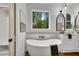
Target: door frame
{"type": "Point", "coordinates": [12, 29]}
{"type": "Point", "coordinates": [15, 28]}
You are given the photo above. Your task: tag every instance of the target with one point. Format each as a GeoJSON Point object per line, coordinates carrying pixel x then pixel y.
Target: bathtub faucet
{"type": "Point", "coordinates": [41, 37]}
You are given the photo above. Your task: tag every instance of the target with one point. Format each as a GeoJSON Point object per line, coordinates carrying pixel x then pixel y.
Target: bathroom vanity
{"type": "Point", "coordinates": [70, 45]}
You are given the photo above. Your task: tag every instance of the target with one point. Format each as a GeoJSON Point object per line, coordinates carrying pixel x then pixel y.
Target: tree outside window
{"type": "Point", "coordinates": [68, 21]}
{"type": "Point", "coordinates": [40, 20]}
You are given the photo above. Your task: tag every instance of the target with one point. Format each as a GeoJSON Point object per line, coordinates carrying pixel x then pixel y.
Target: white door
{"type": "Point", "coordinates": [4, 31]}
{"type": "Point", "coordinates": [7, 30]}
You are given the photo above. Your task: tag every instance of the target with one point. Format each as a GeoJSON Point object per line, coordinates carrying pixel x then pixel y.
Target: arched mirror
{"type": "Point", "coordinates": [60, 22]}
{"type": "Point", "coordinates": [77, 22]}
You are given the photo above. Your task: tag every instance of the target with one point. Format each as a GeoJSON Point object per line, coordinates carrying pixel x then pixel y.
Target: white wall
{"type": "Point", "coordinates": [20, 36]}
{"type": "Point", "coordinates": [52, 8]}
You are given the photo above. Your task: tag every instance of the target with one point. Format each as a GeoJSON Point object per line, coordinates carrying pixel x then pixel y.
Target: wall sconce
{"type": "Point", "coordinates": [65, 6]}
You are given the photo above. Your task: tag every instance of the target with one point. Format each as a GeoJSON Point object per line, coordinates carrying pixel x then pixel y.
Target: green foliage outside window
{"type": "Point", "coordinates": [40, 20]}
{"type": "Point", "coordinates": [68, 21]}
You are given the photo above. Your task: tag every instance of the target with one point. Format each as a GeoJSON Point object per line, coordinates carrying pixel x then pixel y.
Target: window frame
{"type": "Point", "coordinates": [49, 23]}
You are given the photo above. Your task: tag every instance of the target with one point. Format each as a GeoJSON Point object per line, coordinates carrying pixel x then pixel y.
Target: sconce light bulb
{"type": "Point", "coordinates": [65, 6]}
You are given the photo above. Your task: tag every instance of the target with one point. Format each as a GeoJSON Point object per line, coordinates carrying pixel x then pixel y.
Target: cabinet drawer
{"type": "Point", "coordinates": [77, 42]}
{"type": "Point", "coordinates": [76, 47]}
{"type": "Point", "coordinates": [75, 37]}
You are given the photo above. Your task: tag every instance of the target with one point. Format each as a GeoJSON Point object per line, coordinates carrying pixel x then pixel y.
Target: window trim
{"type": "Point", "coordinates": [49, 23]}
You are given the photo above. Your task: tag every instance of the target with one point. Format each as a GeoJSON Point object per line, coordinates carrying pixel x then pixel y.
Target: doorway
{"type": "Point", "coordinates": [7, 29]}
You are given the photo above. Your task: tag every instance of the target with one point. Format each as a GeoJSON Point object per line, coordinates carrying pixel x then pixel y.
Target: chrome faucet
{"type": "Point", "coordinates": [41, 37]}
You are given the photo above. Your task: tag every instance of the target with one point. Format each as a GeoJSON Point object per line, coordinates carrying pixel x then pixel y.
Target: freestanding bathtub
{"type": "Point", "coordinates": [41, 47]}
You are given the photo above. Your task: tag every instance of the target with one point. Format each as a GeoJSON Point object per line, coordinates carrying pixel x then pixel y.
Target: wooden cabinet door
{"type": "Point", "coordinates": [67, 44]}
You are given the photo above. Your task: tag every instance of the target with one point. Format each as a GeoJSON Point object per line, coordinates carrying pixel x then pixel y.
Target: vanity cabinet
{"type": "Point", "coordinates": [76, 43]}
{"type": "Point", "coordinates": [70, 45]}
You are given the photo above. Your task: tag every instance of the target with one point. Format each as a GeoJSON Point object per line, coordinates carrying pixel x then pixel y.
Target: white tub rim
{"type": "Point", "coordinates": [37, 45]}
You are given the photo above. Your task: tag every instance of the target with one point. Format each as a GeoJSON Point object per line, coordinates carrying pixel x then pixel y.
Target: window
{"type": "Point", "coordinates": [40, 20]}
{"type": "Point", "coordinates": [68, 21]}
